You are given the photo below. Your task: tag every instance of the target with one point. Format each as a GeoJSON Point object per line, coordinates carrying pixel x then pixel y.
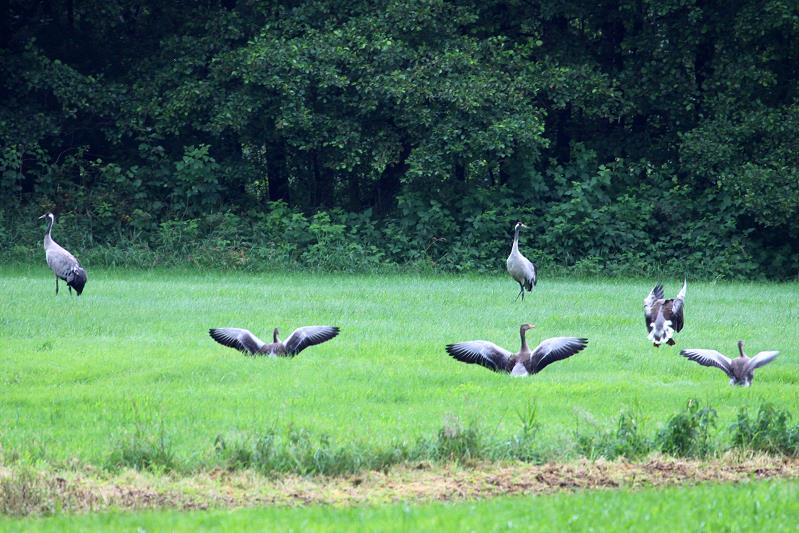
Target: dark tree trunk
{"type": "Point", "coordinates": [71, 14]}
{"type": "Point", "coordinates": [323, 182]}
{"type": "Point", "coordinates": [5, 23]}
{"type": "Point", "coordinates": [563, 135]}
{"type": "Point", "coordinates": [277, 171]}
{"type": "Point", "coordinates": [388, 186]}
{"type": "Point", "coordinates": [354, 193]}
{"type": "Point", "coordinates": [612, 36]}
{"type": "Point", "coordinates": [459, 169]}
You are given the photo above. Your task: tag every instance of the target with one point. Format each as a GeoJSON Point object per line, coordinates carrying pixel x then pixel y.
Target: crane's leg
{"type": "Point", "coordinates": [56, 285]}
{"type": "Point", "coordinates": [70, 289]}
{"type": "Point", "coordinates": [521, 293]}
{"type": "Point", "coordinates": [671, 342]}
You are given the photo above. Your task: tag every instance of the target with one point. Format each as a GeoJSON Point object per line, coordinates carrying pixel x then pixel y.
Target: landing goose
{"type": "Point", "coordinates": [519, 267]}
{"type": "Point", "coordinates": [243, 340]}
{"type": "Point", "coordinates": [740, 370]}
{"type": "Point", "coordinates": [664, 317]}
{"type": "Point", "coordinates": [523, 363]}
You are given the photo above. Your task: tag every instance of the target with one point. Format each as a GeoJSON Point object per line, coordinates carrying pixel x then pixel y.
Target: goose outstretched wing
{"type": "Point", "coordinates": [555, 349]}
{"type": "Point", "coordinates": [677, 306]}
{"type": "Point", "coordinates": [762, 359]}
{"type": "Point", "coordinates": [238, 338]}
{"type": "Point", "coordinates": [484, 353]}
{"type": "Point", "coordinates": [306, 336]}
{"type": "Point", "coordinates": [709, 358]}
{"type": "Point", "coordinates": [655, 295]}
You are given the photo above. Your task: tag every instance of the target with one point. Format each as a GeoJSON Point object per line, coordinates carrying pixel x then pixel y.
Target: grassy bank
{"type": "Point", "coordinates": [753, 506]}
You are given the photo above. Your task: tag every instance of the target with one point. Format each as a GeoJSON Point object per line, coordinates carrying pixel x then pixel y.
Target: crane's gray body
{"type": "Point", "coordinates": [521, 269]}
{"type": "Point", "coordinates": [64, 265]}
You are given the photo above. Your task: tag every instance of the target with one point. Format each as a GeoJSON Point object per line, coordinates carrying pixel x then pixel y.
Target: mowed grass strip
{"type": "Point", "coordinates": [27, 491]}
{"type": "Point", "coordinates": [752, 506]}
{"type": "Point", "coordinates": [80, 376]}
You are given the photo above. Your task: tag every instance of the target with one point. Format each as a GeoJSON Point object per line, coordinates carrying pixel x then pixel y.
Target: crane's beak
{"type": "Point", "coordinates": [44, 215]}
{"type": "Point", "coordinates": [524, 225]}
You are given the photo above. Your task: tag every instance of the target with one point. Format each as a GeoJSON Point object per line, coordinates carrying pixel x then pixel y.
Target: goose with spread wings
{"type": "Point", "coordinates": [523, 363]}
{"type": "Point", "coordinates": [244, 340]}
{"type": "Point", "coordinates": [664, 317]}
{"type": "Point", "coordinates": [740, 370]}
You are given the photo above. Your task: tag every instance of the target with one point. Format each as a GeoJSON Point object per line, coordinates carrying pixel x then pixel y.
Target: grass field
{"type": "Point", "coordinates": [754, 506]}
{"type": "Point", "coordinates": [81, 377]}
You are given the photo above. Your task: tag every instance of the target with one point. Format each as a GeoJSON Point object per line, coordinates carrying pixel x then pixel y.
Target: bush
{"type": "Point", "coordinates": [625, 441]}
{"type": "Point", "coordinates": [769, 432]}
{"type": "Point", "coordinates": [145, 448]}
{"type": "Point", "coordinates": [687, 434]}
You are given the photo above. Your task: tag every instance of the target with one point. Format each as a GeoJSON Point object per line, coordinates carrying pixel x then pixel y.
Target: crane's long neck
{"type": "Point", "coordinates": [47, 236]}
{"type": "Point", "coordinates": [515, 247]}
{"type": "Point", "coordinates": [523, 335]}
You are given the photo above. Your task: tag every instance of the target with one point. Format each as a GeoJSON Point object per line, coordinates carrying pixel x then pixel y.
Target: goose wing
{"type": "Point", "coordinates": [306, 336]}
{"type": "Point", "coordinates": [238, 338]}
{"type": "Point", "coordinates": [677, 306]}
{"type": "Point", "coordinates": [483, 353]}
{"type": "Point", "coordinates": [709, 358]}
{"type": "Point", "coordinates": [655, 295]}
{"type": "Point", "coordinates": [762, 359]}
{"type": "Point", "coordinates": [555, 349]}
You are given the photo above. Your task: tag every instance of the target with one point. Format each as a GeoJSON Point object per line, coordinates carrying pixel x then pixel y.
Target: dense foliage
{"type": "Point", "coordinates": [631, 135]}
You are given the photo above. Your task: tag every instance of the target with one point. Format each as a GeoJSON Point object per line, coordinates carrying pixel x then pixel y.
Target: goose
{"type": "Point", "coordinates": [519, 267]}
{"type": "Point", "coordinates": [523, 363]}
{"type": "Point", "coordinates": [61, 262]}
{"type": "Point", "coordinates": [301, 338]}
{"type": "Point", "coordinates": [740, 370]}
{"type": "Point", "coordinates": [664, 317]}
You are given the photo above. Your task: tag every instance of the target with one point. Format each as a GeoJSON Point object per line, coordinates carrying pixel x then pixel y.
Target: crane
{"type": "Point", "coordinates": [63, 264]}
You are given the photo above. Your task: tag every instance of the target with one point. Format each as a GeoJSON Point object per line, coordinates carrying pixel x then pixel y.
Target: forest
{"type": "Point", "coordinates": [633, 137]}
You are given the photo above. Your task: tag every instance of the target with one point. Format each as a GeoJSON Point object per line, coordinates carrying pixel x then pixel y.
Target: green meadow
{"type": "Point", "coordinates": [89, 379]}
{"type": "Point", "coordinates": [753, 506]}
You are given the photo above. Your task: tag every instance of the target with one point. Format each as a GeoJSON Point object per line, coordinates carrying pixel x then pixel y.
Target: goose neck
{"type": "Point", "coordinates": [523, 335]}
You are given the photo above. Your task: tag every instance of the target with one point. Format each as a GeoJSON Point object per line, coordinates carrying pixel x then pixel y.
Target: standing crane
{"type": "Point", "coordinates": [519, 267]}
{"type": "Point", "coordinates": [61, 262]}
